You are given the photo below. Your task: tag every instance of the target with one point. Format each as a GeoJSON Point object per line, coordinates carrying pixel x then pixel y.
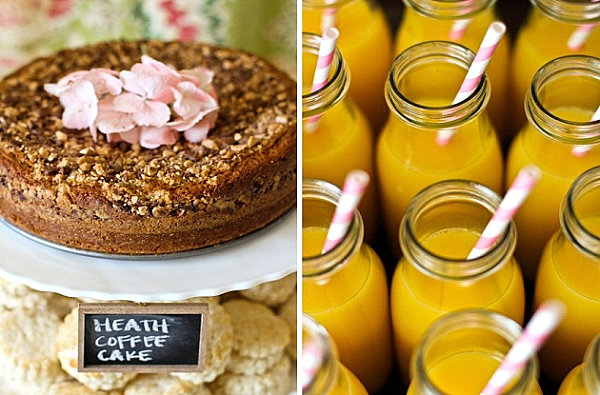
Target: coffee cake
{"type": "Point", "coordinates": [60, 185]}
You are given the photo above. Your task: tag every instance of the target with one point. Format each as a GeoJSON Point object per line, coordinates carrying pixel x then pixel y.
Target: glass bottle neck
{"type": "Point", "coordinates": [319, 360]}
{"type": "Point", "coordinates": [591, 367]}
{"type": "Point", "coordinates": [319, 200]}
{"type": "Point", "coordinates": [581, 203]}
{"type": "Point", "coordinates": [468, 332]}
{"type": "Point", "coordinates": [317, 102]}
{"type": "Point", "coordinates": [408, 71]}
{"type": "Point", "coordinates": [556, 87]}
{"type": "Point", "coordinates": [450, 206]}
{"type": "Point", "coordinates": [568, 11]}
{"type": "Point", "coordinates": [449, 9]}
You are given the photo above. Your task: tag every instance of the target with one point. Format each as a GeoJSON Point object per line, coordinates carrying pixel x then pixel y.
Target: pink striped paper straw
{"type": "Point", "coordinates": [514, 198]}
{"type": "Point", "coordinates": [580, 35]}
{"type": "Point", "coordinates": [328, 18]}
{"type": "Point", "coordinates": [312, 359]}
{"type": "Point", "coordinates": [482, 58]}
{"type": "Point", "coordinates": [458, 29]}
{"type": "Point", "coordinates": [540, 326]}
{"type": "Point", "coordinates": [355, 185]}
{"type": "Point", "coordinates": [581, 150]}
{"type": "Point", "coordinates": [321, 76]}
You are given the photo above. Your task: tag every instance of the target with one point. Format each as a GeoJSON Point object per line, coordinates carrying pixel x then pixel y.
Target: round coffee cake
{"type": "Point", "coordinates": [63, 186]}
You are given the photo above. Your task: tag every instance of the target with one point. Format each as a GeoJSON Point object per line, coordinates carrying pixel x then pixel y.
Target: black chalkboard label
{"type": "Point", "coordinates": [150, 338]}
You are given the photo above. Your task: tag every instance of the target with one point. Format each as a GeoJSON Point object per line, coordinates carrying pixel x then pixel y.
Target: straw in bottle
{"type": "Point", "coordinates": [540, 326]}
{"type": "Point", "coordinates": [354, 188]}
{"type": "Point", "coordinates": [321, 76]}
{"type": "Point", "coordinates": [521, 187]}
{"type": "Point", "coordinates": [581, 150]}
{"type": "Point", "coordinates": [458, 29]}
{"type": "Point", "coordinates": [579, 37]}
{"type": "Point", "coordinates": [482, 59]}
{"type": "Point", "coordinates": [328, 18]}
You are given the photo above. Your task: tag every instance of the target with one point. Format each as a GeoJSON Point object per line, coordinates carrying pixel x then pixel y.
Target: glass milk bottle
{"type": "Point", "coordinates": [465, 23]}
{"type": "Point", "coordinates": [545, 36]}
{"type": "Point", "coordinates": [585, 378]}
{"type": "Point", "coordinates": [570, 271]}
{"type": "Point", "coordinates": [421, 85]}
{"type": "Point", "coordinates": [345, 289]}
{"type": "Point", "coordinates": [365, 41]}
{"type": "Point", "coordinates": [342, 139]}
{"type": "Point", "coordinates": [559, 124]}
{"type": "Point", "coordinates": [460, 352]}
{"type": "Point", "coordinates": [330, 377]}
{"type": "Point", "coordinates": [441, 226]}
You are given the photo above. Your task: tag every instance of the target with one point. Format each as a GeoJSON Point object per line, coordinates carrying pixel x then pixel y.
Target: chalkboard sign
{"type": "Point", "coordinates": [150, 338]}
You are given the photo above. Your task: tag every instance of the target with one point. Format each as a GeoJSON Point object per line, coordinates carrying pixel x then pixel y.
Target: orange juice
{"type": "Point", "coordinates": [460, 352]}
{"type": "Point", "coordinates": [569, 271]}
{"type": "Point", "coordinates": [346, 291]}
{"type": "Point", "coordinates": [544, 37]}
{"type": "Point", "coordinates": [365, 43]}
{"type": "Point", "coordinates": [408, 157]}
{"type": "Point", "coordinates": [427, 20]}
{"type": "Point", "coordinates": [433, 277]}
{"type": "Point", "coordinates": [330, 377]}
{"type": "Point", "coordinates": [585, 378]}
{"type": "Point", "coordinates": [558, 121]}
{"type": "Point", "coordinates": [342, 141]}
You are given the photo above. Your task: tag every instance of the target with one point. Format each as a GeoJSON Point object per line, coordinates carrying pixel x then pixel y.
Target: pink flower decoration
{"type": "Point", "coordinates": [149, 104]}
{"type": "Point", "coordinates": [81, 105]}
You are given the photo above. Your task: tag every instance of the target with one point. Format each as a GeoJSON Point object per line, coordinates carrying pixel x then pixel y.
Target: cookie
{"type": "Point", "coordinates": [273, 382]}
{"type": "Point", "coordinates": [219, 345]}
{"type": "Point", "coordinates": [66, 349]}
{"type": "Point", "coordinates": [17, 296]}
{"type": "Point", "coordinates": [27, 347]}
{"type": "Point", "coordinates": [287, 311]}
{"type": "Point", "coordinates": [76, 388]}
{"type": "Point", "coordinates": [248, 365]}
{"type": "Point", "coordinates": [272, 293]}
{"type": "Point", "coordinates": [162, 384]}
{"type": "Point", "coordinates": [258, 332]}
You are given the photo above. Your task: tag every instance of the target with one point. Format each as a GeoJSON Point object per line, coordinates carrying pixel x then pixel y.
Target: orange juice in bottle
{"type": "Point", "coordinates": [433, 278]}
{"type": "Point", "coordinates": [570, 271]}
{"type": "Point", "coordinates": [460, 352]}
{"type": "Point", "coordinates": [345, 289]}
{"type": "Point", "coordinates": [422, 83]}
{"type": "Point", "coordinates": [545, 36]}
{"type": "Point", "coordinates": [365, 42]}
{"type": "Point", "coordinates": [322, 372]}
{"type": "Point", "coordinates": [465, 23]}
{"type": "Point", "coordinates": [342, 140]}
{"type": "Point", "coordinates": [562, 99]}
{"type": "Point", "coordinates": [584, 379]}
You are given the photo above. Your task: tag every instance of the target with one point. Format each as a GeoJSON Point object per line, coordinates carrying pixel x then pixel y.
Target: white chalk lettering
{"type": "Point", "coordinates": [132, 325]}
{"type": "Point", "coordinates": [155, 341]}
{"type": "Point", "coordinates": [98, 325]}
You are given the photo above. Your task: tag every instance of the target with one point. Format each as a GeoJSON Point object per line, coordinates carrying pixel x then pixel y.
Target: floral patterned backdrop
{"type": "Point", "coordinates": [32, 28]}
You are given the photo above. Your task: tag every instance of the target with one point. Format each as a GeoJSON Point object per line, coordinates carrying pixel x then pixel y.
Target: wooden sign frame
{"type": "Point", "coordinates": [149, 308]}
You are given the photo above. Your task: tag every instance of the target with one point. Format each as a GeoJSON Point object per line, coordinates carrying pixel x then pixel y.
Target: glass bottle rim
{"type": "Point", "coordinates": [333, 260]}
{"type": "Point", "coordinates": [423, 116]}
{"type": "Point", "coordinates": [335, 90]}
{"type": "Point", "coordinates": [591, 366]}
{"type": "Point", "coordinates": [326, 375]}
{"type": "Point", "coordinates": [459, 320]}
{"type": "Point", "coordinates": [446, 268]}
{"type": "Point", "coordinates": [567, 11]}
{"type": "Point", "coordinates": [584, 240]}
{"type": "Point", "coordinates": [549, 124]}
{"type": "Point", "coordinates": [449, 9]}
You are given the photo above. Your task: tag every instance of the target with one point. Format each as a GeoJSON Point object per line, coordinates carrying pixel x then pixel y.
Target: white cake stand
{"type": "Point", "coordinates": [265, 255]}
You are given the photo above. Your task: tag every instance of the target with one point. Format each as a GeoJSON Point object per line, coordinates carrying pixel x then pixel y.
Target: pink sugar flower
{"type": "Point", "coordinates": [144, 112]}
{"type": "Point", "coordinates": [105, 82]}
{"type": "Point", "coordinates": [150, 79]}
{"type": "Point", "coordinates": [110, 120]}
{"type": "Point", "coordinates": [192, 104]}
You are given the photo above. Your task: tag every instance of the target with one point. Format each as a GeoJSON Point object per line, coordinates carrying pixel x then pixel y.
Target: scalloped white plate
{"type": "Point", "coordinates": [266, 255]}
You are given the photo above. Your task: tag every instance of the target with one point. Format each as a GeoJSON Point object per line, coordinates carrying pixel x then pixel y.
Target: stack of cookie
{"type": "Point", "coordinates": [250, 348]}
